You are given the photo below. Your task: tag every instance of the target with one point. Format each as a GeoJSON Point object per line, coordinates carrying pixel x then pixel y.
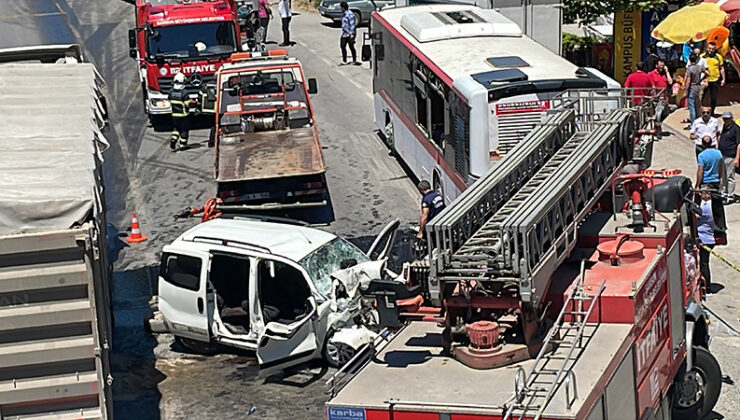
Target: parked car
{"type": "Point", "coordinates": [361, 9]}
{"type": "Point", "coordinates": [288, 292]}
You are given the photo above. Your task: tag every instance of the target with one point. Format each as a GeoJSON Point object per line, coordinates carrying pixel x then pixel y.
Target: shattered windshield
{"type": "Point", "coordinates": [321, 263]}
{"type": "Point", "coordinates": [193, 40]}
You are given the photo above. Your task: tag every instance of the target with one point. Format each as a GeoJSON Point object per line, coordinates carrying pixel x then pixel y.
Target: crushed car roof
{"type": "Point", "coordinates": [285, 240]}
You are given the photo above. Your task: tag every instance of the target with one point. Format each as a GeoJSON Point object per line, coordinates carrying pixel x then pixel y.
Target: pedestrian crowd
{"type": "Point", "coordinates": [715, 137]}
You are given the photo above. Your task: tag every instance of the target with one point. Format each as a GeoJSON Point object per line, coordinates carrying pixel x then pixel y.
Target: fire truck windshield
{"type": "Point", "coordinates": [192, 40]}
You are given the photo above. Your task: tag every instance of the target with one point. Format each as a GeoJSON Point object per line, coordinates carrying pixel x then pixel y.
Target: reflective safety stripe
{"type": "Point", "coordinates": [204, 107]}
{"type": "Point", "coordinates": [178, 108]}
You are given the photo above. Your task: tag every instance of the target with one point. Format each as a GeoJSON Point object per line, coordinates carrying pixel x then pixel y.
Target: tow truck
{"type": "Point", "coordinates": [195, 37]}
{"type": "Point", "coordinates": [568, 286]}
{"type": "Point", "coordinates": [267, 149]}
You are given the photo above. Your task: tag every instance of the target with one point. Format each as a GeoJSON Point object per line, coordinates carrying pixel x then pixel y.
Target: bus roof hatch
{"type": "Point", "coordinates": [436, 26]}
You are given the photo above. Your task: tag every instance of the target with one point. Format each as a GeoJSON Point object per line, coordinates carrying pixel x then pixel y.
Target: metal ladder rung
{"type": "Point", "coordinates": [576, 313]}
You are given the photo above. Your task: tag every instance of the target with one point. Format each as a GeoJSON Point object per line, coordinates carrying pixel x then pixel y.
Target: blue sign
{"type": "Point", "coordinates": [650, 20]}
{"type": "Point", "coordinates": [342, 413]}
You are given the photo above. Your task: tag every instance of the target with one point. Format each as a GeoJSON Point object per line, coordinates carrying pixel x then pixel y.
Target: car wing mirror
{"type": "Point", "coordinates": [313, 88]}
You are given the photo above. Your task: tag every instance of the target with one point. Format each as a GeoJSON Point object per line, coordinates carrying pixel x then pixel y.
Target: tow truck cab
{"type": "Point", "coordinates": [268, 153]}
{"type": "Point", "coordinates": [179, 36]}
{"type": "Point", "coordinates": [269, 288]}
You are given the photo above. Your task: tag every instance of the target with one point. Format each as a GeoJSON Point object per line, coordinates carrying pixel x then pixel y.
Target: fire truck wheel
{"type": "Point", "coordinates": [696, 393]}
{"type": "Point", "coordinates": [198, 347]}
{"type": "Point", "coordinates": [336, 354]}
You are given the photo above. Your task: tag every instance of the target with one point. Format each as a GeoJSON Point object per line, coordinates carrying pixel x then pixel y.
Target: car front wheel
{"type": "Point", "coordinates": [337, 354]}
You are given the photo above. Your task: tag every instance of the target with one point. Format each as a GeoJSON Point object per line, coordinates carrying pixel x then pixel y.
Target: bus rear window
{"type": "Point", "coordinates": [181, 270]}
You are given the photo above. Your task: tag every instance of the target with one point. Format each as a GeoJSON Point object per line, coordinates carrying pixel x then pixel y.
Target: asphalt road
{"type": "Point", "coordinates": [153, 378]}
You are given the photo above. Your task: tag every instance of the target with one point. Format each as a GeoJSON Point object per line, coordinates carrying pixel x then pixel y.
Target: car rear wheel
{"type": "Point", "coordinates": [358, 18]}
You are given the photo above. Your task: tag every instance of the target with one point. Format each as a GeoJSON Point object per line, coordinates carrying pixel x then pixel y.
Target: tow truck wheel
{"type": "Point", "coordinates": [336, 354]}
{"type": "Point", "coordinates": [212, 137]}
{"type": "Point", "coordinates": [199, 347]}
{"type": "Point", "coordinates": [696, 392]}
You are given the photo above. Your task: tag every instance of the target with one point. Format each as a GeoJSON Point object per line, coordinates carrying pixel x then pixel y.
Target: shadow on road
{"type": "Point", "coordinates": [135, 392]}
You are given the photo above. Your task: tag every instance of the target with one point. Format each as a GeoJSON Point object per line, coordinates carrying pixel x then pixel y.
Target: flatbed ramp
{"type": "Point", "coordinates": [410, 372]}
{"type": "Point", "coordinates": [271, 154]}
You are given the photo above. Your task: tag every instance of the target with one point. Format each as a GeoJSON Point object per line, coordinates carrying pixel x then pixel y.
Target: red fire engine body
{"type": "Point", "coordinates": [181, 36]}
{"type": "Point", "coordinates": [618, 331]}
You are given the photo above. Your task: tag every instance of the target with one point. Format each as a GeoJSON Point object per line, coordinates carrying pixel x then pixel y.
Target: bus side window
{"type": "Point", "coordinates": [421, 110]}
{"type": "Point", "coordinates": [438, 126]}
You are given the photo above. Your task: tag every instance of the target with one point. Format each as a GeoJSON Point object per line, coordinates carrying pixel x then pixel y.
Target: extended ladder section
{"type": "Point", "coordinates": [519, 222]}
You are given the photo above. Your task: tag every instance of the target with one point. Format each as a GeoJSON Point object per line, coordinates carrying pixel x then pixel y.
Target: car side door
{"type": "Point", "coordinates": [289, 311]}
{"type": "Point", "coordinates": [182, 293]}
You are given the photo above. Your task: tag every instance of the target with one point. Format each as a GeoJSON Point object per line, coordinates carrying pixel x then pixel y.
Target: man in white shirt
{"type": "Point", "coordinates": [285, 15]}
{"type": "Point", "coordinates": [705, 125]}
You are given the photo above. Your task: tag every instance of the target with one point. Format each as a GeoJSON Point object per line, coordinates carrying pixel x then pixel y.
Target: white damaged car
{"type": "Point", "coordinates": [287, 292]}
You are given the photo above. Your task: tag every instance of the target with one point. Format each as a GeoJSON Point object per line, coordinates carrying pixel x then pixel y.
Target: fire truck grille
{"type": "Point", "coordinates": [165, 83]}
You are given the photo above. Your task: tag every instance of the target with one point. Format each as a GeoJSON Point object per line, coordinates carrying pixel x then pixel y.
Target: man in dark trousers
{"type": "Point", "coordinates": [349, 32]}
{"type": "Point", "coordinates": [432, 203]}
{"type": "Point", "coordinates": [178, 97]}
{"type": "Point", "coordinates": [728, 145]}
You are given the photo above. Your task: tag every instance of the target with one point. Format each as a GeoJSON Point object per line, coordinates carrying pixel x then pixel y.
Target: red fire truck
{"type": "Point", "coordinates": [569, 286]}
{"type": "Point", "coordinates": [194, 37]}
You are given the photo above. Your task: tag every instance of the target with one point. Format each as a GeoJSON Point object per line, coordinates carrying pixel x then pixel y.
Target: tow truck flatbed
{"type": "Point", "coordinates": [272, 154]}
{"type": "Point", "coordinates": [410, 371]}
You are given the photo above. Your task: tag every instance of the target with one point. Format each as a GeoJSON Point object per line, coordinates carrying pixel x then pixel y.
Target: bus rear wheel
{"type": "Point", "coordinates": [389, 135]}
{"type": "Point", "coordinates": [696, 392]}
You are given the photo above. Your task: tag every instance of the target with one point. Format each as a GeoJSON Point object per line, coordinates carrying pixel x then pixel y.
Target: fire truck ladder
{"type": "Point", "coordinates": [534, 222]}
{"type": "Point", "coordinates": [528, 394]}
{"type": "Point", "coordinates": [456, 224]}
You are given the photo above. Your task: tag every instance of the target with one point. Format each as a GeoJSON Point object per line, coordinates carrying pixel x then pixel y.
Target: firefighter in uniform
{"type": "Point", "coordinates": [178, 97]}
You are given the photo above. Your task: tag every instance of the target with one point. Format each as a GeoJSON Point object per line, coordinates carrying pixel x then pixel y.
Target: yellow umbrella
{"type": "Point", "coordinates": [690, 23]}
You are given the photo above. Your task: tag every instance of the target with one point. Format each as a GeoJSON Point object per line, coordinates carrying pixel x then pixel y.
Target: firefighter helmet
{"type": "Point", "coordinates": [179, 81]}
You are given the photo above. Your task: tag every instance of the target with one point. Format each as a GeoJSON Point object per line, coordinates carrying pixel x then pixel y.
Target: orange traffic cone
{"type": "Point", "coordinates": [136, 235]}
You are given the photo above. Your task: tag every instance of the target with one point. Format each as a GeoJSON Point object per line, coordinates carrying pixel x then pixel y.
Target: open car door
{"type": "Point", "coordinates": [383, 243]}
{"type": "Point", "coordinates": [284, 345]}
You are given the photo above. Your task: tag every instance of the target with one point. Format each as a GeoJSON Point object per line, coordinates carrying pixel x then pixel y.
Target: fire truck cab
{"type": "Point", "coordinates": [194, 37]}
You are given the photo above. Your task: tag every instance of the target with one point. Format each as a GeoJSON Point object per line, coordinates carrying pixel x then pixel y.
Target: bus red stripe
{"type": "Point", "coordinates": [454, 176]}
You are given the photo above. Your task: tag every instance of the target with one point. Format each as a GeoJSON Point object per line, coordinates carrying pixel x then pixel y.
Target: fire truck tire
{"type": "Point", "coordinates": [199, 347]}
{"type": "Point", "coordinates": [626, 135]}
{"type": "Point", "coordinates": [685, 405]}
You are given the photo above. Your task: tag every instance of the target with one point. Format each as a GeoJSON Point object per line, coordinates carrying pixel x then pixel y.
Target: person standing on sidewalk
{"type": "Point", "coordinates": [285, 15]}
{"type": "Point", "coordinates": [706, 228]}
{"type": "Point", "coordinates": [716, 66]}
{"type": "Point", "coordinates": [265, 14]}
{"type": "Point", "coordinates": [661, 79]}
{"type": "Point", "coordinates": [704, 126]}
{"type": "Point", "coordinates": [639, 84]}
{"type": "Point", "coordinates": [711, 167]}
{"type": "Point", "coordinates": [349, 32]}
{"type": "Point", "coordinates": [728, 145]}
{"type": "Point", "coordinates": [693, 85]}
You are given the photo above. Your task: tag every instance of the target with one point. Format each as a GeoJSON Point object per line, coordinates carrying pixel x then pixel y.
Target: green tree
{"type": "Point", "coordinates": [588, 10]}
